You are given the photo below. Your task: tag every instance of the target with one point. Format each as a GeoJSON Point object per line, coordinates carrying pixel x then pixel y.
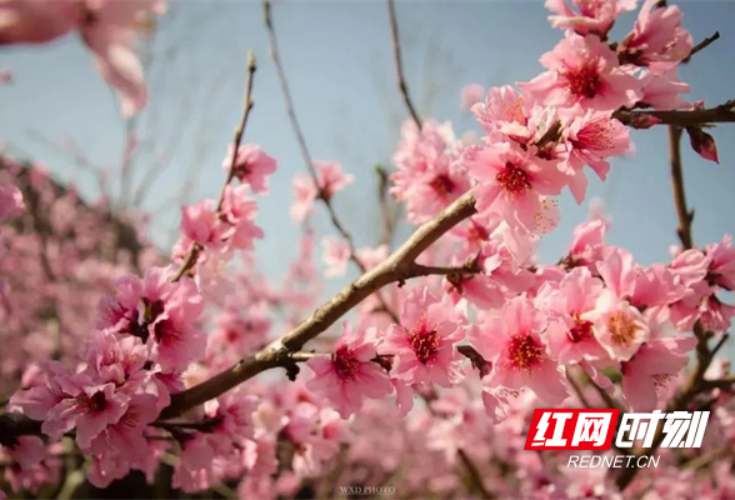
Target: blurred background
{"type": "Point", "coordinates": [338, 59]}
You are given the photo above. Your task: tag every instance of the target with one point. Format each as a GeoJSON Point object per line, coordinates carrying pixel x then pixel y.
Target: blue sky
{"type": "Point", "coordinates": [338, 58]}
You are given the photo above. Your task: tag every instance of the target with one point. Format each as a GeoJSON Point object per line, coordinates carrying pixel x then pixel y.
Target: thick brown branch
{"type": "Point", "coordinates": [689, 118]}
{"type": "Point", "coordinates": [401, 79]}
{"type": "Point", "coordinates": [399, 267]}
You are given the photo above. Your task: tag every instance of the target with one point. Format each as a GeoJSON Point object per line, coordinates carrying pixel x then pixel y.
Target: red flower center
{"type": "Point", "coordinates": [96, 403]}
{"type": "Point", "coordinates": [425, 343]}
{"type": "Point", "coordinates": [345, 363]}
{"type": "Point", "coordinates": [513, 179]}
{"type": "Point", "coordinates": [581, 330]}
{"type": "Point", "coordinates": [584, 81]}
{"type": "Point", "coordinates": [524, 352]}
{"type": "Point", "coordinates": [442, 184]}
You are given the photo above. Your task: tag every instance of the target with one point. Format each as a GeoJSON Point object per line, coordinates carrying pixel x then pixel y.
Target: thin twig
{"type": "Point", "coordinates": [702, 45]}
{"type": "Point", "coordinates": [677, 179]}
{"type": "Point", "coordinates": [193, 253]}
{"type": "Point", "coordinates": [401, 79]}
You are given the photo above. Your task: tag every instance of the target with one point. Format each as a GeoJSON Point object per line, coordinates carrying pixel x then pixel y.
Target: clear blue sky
{"type": "Point", "coordinates": [338, 59]}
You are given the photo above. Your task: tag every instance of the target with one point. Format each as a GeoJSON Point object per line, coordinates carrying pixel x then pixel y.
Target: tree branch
{"type": "Point", "coordinates": [682, 118]}
{"type": "Point", "coordinates": [399, 267]}
{"type": "Point", "coordinates": [402, 86]}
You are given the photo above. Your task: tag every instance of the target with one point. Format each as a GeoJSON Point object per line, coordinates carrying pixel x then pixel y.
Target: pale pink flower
{"type": "Point", "coordinates": [657, 41]}
{"type": "Point", "coordinates": [200, 224]}
{"type": "Point", "coordinates": [661, 92]}
{"type": "Point", "coordinates": [570, 338]}
{"type": "Point", "coordinates": [423, 343]}
{"type": "Point", "coordinates": [430, 175]}
{"type": "Point", "coordinates": [27, 451]}
{"type": "Point", "coordinates": [252, 166]}
{"type": "Point", "coordinates": [722, 267]}
{"type": "Point", "coordinates": [512, 186]}
{"type": "Point", "coordinates": [11, 203]}
{"type": "Point", "coordinates": [591, 138]}
{"type": "Point", "coordinates": [108, 28]}
{"type": "Point", "coordinates": [305, 193]}
{"type": "Point", "coordinates": [330, 178]}
{"type": "Point", "coordinates": [335, 256]}
{"type": "Point", "coordinates": [125, 437]}
{"type": "Point", "coordinates": [349, 375]}
{"type": "Point", "coordinates": [655, 365]}
{"type": "Point", "coordinates": [511, 341]}
{"type": "Point", "coordinates": [37, 21]}
{"type": "Point", "coordinates": [591, 17]}
{"type": "Point", "coordinates": [503, 109]}
{"type": "Point", "coordinates": [585, 71]}
{"type": "Point", "coordinates": [588, 246]}
{"type": "Point", "coordinates": [237, 215]}
{"type": "Point", "coordinates": [471, 95]}
{"type": "Point", "coordinates": [619, 327]}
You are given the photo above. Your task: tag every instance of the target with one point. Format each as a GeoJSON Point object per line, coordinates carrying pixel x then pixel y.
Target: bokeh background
{"type": "Point", "coordinates": [338, 59]}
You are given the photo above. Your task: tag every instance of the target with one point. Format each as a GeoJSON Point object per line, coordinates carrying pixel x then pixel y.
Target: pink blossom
{"type": "Point", "coordinates": [336, 255]}
{"type": "Point", "coordinates": [430, 174]}
{"type": "Point", "coordinates": [512, 186]}
{"type": "Point", "coordinates": [199, 223]}
{"type": "Point", "coordinates": [471, 95]}
{"type": "Point", "coordinates": [661, 92]}
{"type": "Point", "coordinates": [591, 138]}
{"type": "Point", "coordinates": [161, 313]}
{"type": "Point", "coordinates": [11, 203]}
{"type": "Point", "coordinates": [658, 41]}
{"type": "Point", "coordinates": [423, 343]}
{"type": "Point", "coordinates": [619, 327]}
{"type": "Point", "coordinates": [655, 365]}
{"type": "Point", "coordinates": [570, 338]}
{"type": "Point", "coordinates": [27, 451]}
{"type": "Point", "coordinates": [125, 437]}
{"type": "Point", "coordinates": [503, 109]}
{"type": "Point", "coordinates": [585, 71]}
{"type": "Point", "coordinates": [512, 342]}
{"type": "Point", "coordinates": [330, 178]}
{"type": "Point", "coordinates": [305, 193]}
{"type": "Point", "coordinates": [238, 214]}
{"type": "Point", "coordinates": [252, 166]}
{"type": "Point", "coordinates": [38, 21]}
{"type": "Point", "coordinates": [591, 17]}
{"type": "Point", "coordinates": [722, 267]}
{"type": "Point", "coordinates": [350, 374]}
{"type": "Point", "coordinates": [108, 28]}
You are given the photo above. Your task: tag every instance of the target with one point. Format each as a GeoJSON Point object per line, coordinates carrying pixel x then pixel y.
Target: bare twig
{"type": "Point", "coordinates": [401, 79]}
{"type": "Point", "coordinates": [702, 45]}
